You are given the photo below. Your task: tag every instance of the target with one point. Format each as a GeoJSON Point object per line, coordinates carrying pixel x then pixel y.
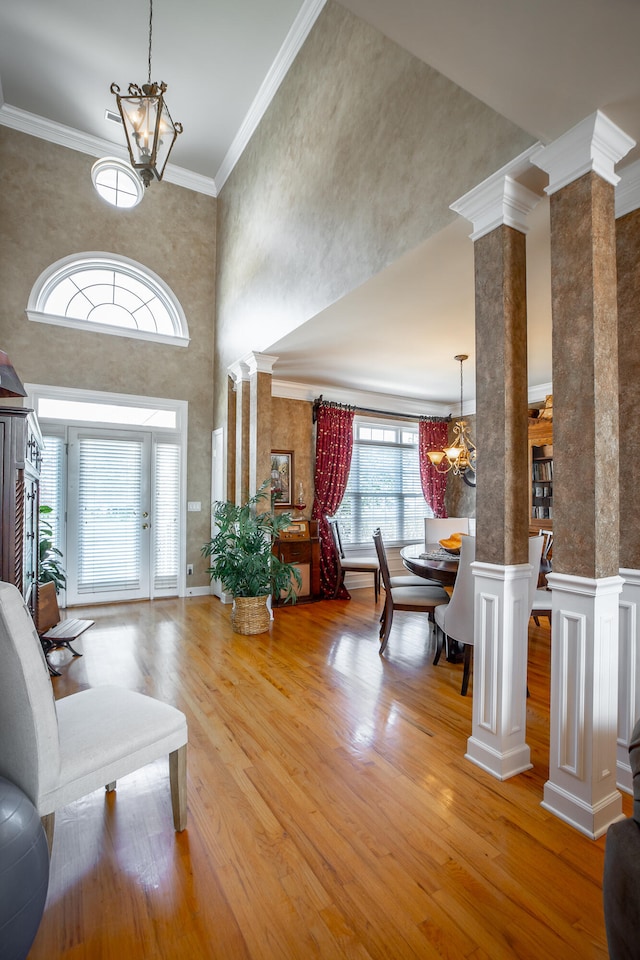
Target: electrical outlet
{"type": "Point", "coordinates": [189, 569]}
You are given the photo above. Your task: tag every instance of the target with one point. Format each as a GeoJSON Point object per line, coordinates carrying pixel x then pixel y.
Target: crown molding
{"type": "Point", "coordinates": [291, 390]}
{"type": "Point", "coordinates": [628, 190]}
{"type": "Point", "coordinates": [63, 136]}
{"type": "Point", "coordinates": [300, 29]}
{"type": "Point", "coordinates": [596, 143]}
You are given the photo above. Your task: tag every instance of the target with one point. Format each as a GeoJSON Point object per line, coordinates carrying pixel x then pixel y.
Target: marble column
{"type": "Point", "coordinates": [628, 266]}
{"type": "Point", "coordinates": [581, 788]}
{"type": "Point", "coordinates": [260, 367]}
{"type": "Point", "coordinates": [498, 209]}
{"type": "Point", "coordinates": [239, 371]}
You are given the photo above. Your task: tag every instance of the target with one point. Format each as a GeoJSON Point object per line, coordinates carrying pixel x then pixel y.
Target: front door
{"type": "Point", "coordinates": [109, 515]}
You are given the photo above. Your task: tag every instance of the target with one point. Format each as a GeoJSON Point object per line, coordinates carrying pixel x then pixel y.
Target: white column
{"type": "Point", "coordinates": [627, 201]}
{"type": "Point", "coordinates": [581, 788]}
{"type": "Point", "coordinates": [628, 673]}
{"type": "Point", "coordinates": [501, 621]}
{"type": "Point", "coordinates": [498, 737]}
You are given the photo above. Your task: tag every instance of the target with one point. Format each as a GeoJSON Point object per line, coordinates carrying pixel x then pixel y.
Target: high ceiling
{"type": "Point", "coordinates": [544, 65]}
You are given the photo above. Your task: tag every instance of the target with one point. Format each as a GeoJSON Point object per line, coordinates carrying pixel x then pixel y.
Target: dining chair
{"type": "Point", "coordinates": [438, 528]}
{"type": "Point", "coordinates": [456, 621]}
{"type": "Point", "coordinates": [59, 751]}
{"type": "Point", "coordinates": [541, 605]}
{"type": "Point", "coordinates": [423, 599]}
{"type": "Point", "coordinates": [361, 564]}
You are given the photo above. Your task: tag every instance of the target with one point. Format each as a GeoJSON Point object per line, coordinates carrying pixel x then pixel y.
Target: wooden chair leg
{"type": "Point", "coordinates": [468, 650]}
{"type": "Point", "coordinates": [178, 779]}
{"type": "Point", "coordinates": [439, 645]}
{"type": "Point", "coordinates": [386, 628]}
{"type": "Point", "coordinates": [48, 823]}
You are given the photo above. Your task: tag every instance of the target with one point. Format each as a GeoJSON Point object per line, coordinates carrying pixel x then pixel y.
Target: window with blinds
{"type": "Point", "coordinates": [384, 488]}
{"type": "Point", "coordinates": [110, 481]}
{"type": "Point", "coordinates": [166, 516]}
{"type": "Point", "coordinates": [52, 487]}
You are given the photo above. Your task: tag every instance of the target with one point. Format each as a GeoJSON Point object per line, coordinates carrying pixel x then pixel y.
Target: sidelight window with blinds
{"type": "Point", "coordinates": [384, 488]}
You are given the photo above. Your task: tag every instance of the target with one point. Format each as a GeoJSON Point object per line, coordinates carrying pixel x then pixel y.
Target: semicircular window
{"type": "Point", "coordinates": [107, 293]}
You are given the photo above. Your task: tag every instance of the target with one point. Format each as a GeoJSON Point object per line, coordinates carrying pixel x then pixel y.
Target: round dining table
{"type": "Point", "coordinates": [445, 571]}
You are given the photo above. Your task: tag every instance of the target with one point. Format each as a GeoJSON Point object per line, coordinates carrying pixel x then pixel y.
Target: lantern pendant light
{"type": "Point", "coordinates": [148, 127]}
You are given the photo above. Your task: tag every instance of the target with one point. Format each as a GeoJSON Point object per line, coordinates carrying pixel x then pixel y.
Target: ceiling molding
{"type": "Point", "coordinates": [63, 136]}
{"type": "Point", "coordinates": [298, 33]}
{"type": "Point", "coordinates": [290, 390]}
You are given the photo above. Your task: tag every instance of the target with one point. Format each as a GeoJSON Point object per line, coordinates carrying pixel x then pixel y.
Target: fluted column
{"type": "Point", "coordinates": [581, 788]}
{"type": "Point", "coordinates": [499, 210]}
{"type": "Point", "coordinates": [628, 266]}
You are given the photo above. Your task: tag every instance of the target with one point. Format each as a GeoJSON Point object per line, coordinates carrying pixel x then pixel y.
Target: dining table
{"type": "Point", "coordinates": [431, 562]}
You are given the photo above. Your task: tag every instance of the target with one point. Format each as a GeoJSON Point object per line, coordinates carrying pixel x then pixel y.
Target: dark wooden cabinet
{"type": "Point", "coordinates": [301, 546]}
{"type": "Point", "coordinates": [21, 453]}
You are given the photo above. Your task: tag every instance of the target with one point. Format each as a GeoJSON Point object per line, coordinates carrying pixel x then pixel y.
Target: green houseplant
{"type": "Point", "coordinates": [50, 568]}
{"type": "Point", "coordinates": [242, 559]}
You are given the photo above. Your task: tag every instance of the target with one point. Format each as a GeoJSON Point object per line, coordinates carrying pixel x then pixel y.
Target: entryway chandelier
{"type": "Point", "coordinates": [148, 127]}
{"type": "Point", "coordinates": [460, 457]}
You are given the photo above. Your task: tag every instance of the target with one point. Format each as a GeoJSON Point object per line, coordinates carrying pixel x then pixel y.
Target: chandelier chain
{"type": "Point", "coordinates": [150, 36]}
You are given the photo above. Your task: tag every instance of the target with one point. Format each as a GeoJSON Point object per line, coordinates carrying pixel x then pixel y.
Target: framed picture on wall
{"type": "Point", "coordinates": [282, 478]}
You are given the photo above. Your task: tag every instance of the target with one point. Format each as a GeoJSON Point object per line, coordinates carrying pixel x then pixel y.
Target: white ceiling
{"type": "Point", "coordinates": [544, 65]}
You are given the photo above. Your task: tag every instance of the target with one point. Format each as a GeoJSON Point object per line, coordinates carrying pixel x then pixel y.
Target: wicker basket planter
{"type": "Point", "coordinates": [250, 615]}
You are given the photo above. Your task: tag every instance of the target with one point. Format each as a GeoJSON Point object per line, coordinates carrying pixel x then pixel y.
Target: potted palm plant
{"type": "Point", "coordinates": [242, 559]}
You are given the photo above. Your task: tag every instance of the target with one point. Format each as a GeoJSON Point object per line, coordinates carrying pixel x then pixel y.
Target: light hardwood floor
{"type": "Point", "coordinates": [331, 811]}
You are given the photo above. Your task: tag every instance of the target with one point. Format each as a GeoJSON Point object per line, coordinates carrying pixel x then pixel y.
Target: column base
{"type": "Point", "coordinates": [592, 821]}
{"type": "Point", "coordinates": [501, 765]}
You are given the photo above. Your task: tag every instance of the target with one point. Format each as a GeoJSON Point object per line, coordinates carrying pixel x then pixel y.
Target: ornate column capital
{"type": "Point", "coordinates": [628, 190]}
{"type": "Point", "coordinates": [238, 371]}
{"type": "Point", "coordinates": [260, 363]}
{"type": "Point", "coordinates": [596, 143]}
{"type": "Point", "coordinates": [500, 199]}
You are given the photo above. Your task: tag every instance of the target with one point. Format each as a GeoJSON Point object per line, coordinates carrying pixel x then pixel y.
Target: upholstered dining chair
{"type": "Point", "coordinates": [541, 604]}
{"type": "Point", "coordinates": [456, 621]}
{"type": "Point", "coordinates": [59, 751]}
{"type": "Point", "coordinates": [423, 599]}
{"type": "Point", "coordinates": [361, 564]}
{"type": "Point", "coordinates": [438, 528]}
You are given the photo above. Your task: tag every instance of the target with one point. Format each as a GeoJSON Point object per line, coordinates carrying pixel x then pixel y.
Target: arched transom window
{"type": "Point", "coordinates": [108, 294]}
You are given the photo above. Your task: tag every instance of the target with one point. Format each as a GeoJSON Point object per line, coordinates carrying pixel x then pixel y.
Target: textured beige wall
{"type": "Point", "coordinates": [355, 162]}
{"type": "Point", "coordinates": [48, 210]}
{"type": "Point", "coordinates": [292, 429]}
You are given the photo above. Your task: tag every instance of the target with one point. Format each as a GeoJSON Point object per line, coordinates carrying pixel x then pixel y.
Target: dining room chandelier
{"type": "Point", "coordinates": [460, 457]}
{"type": "Point", "coordinates": [148, 127]}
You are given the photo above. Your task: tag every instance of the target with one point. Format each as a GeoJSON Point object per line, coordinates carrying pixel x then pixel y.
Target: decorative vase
{"type": "Point", "coordinates": [250, 615]}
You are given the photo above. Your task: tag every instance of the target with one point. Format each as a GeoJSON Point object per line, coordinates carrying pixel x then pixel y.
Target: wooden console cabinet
{"type": "Point", "coordinates": [21, 457]}
{"type": "Point", "coordinates": [300, 545]}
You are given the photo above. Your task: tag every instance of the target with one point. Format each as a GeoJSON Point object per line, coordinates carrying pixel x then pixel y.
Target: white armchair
{"type": "Point", "coordinates": [57, 752]}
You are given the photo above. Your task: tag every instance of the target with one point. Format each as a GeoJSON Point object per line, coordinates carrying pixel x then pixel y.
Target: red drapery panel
{"type": "Point", "coordinates": [432, 435]}
{"type": "Point", "coordinates": [334, 445]}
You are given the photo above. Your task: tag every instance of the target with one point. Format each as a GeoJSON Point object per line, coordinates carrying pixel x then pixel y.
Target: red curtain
{"type": "Point", "coordinates": [432, 435]}
{"type": "Point", "coordinates": [334, 445]}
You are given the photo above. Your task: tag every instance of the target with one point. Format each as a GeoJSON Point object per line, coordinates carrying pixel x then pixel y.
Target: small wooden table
{"type": "Point", "coordinates": [445, 571]}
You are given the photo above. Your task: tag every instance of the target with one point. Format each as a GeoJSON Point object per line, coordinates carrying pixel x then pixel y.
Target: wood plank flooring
{"type": "Point", "coordinates": [331, 811]}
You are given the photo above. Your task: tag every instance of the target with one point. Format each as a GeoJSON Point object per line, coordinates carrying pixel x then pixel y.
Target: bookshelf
{"type": "Point", "coordinates": [540, 474]}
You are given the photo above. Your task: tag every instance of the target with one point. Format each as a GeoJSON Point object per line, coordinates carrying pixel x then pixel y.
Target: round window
{"type": "Point", "coordinates": [117, 182]}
